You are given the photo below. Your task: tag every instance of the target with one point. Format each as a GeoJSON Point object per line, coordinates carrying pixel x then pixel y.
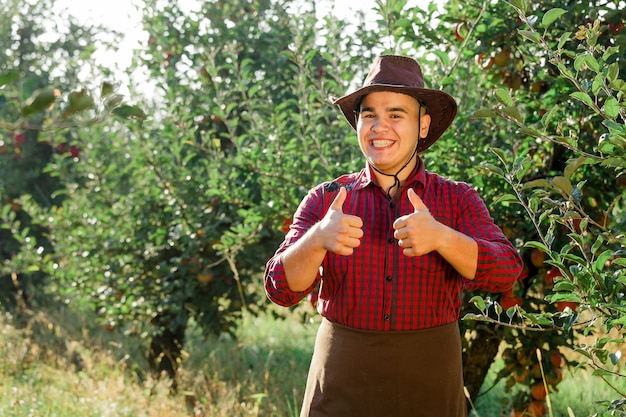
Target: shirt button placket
{"type": "Point", "coordinates": [389, 255]}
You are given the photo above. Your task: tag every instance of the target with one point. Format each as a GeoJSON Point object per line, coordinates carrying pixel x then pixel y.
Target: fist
{"type": "Point", "coordinates": [340, 232]}
{"type": "Point", "coordinates": [417, 233]}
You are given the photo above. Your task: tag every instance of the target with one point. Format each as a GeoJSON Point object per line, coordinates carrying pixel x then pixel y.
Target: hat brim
{"type": "Point", "coordinates": [441, 106]}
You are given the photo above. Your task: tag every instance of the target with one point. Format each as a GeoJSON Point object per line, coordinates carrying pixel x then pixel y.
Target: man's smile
{"type": "Point", "coordinates": [381, 143]}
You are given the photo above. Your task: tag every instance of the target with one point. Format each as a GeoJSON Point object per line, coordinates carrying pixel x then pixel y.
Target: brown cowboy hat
{"type": "Point", "coordinates": [402, 74]}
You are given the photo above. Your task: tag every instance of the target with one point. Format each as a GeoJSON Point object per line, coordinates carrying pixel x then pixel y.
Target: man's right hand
{"type": "Point", "coordinates": [340, 233]}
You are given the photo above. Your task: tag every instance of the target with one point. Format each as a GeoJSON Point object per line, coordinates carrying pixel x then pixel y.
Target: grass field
{"type": "Point", "coordinates": [62, 365]}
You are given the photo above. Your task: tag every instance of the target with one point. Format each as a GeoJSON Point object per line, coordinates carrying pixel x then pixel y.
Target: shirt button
{"type": "Point", "coordinates": [390, 241]}
{"type": "Point", "coordinates": [387, 316]}
{"type": "Point", "coordinates": [388, 278]}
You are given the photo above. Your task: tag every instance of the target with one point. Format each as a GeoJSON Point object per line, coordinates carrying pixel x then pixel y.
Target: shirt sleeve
{"type": "Point", "coordinates": [309, 212]}
{"type": "Point", "coordinates": [499, 263]}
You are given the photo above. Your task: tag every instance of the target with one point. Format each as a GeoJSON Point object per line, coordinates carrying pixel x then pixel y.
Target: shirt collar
{"type": "Point", "coordinates": [417, 176]}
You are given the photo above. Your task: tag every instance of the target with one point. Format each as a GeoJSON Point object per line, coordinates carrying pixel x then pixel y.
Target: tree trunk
{"type": "Point", "coordinates": [164, 354]}
{"type": "Point", "coordinates": [479, 354]}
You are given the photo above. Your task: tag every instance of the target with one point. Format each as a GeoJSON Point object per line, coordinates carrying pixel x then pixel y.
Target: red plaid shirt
{"type": "Point", "coordinates": [379, 288]}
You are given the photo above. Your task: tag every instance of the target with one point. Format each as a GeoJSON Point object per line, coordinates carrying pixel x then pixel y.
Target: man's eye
{"type": "Point", "coordinates": [367, 115]}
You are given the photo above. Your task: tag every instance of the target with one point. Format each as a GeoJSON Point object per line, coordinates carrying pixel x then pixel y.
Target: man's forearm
{"type": "Point", "coordinates": [461, 251]}
{"type": "Point", "coordinates": [302, 261]}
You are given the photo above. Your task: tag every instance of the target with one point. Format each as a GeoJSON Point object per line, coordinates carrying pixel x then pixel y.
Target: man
{"type": "Point", "coordinates": [392, 247]}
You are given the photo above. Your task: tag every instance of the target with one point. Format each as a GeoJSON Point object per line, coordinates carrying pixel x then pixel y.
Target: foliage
{"type": "Point", "coordinates": [561, 93]}
{"type": "Point", "coordinates": [533, 103]}
{"type": "Point", "coordinates": [174, 218]}
{"type": "Point", "coordinates": [36, 101]}
{"type": "Point", "coordinates": [169, 219]}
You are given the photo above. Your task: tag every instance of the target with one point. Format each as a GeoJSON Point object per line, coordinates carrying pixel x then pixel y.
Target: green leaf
{"type": "Point", "coordinates": [514, 113]}
{"type": "Point", "coordinates": [530, 35]}
{"type": "Point", "coordinates": [494, 169]}
{"type": "Point", "coordinates": [585, 61]}
{"type": "Point", "coordinates": [592, 63]}
{"type": "Point", "coordinates": [479, 302]}
{"type": "Point", "coordinates": [620, 261]}
{"type": "Point", "coordinates": [530, 131]}
{"type": "Point", "coordinates": [551, 16]}
{"type": "Point", "coordinates": [445, 59]}
{"type": "Point", "coordinates": [503, 96]}
{"type": "Point", "coordinates": [563, 296]}
{"type": "Point", "coordinates": [106, 89]}
{"type": "Point", "coordinates": [611, 108]}
{"type": "Point", "coordinates": [113, 101]}
{"type": "Point", "coordinates": [601, 261]}
{"type": "Point", "coordinates": [8, 77]}
{"type": "Point", "coordinates": [540, 183]}
{"type": "Point", "coordinates": [564, 38]}
{"type": "Point", "coordinates": [39, 101]}
{"type": "Point", "coordinates": [537, 245]}
{"type": "Point", "coordinates": [129, 112]}
{"type": "Point", "coordinates": [506, 198]}
{"type": "Point", "coordinates": [563, 184]}
{"type": "Point", "coordinates": [520, 5]}
{"type": "Point", "coordinates": [547, 118]}
{"type": "Point", "coordinates": [500, 153]}
{"type": "Point", "coordinates": [619, 85]}
{"type": "Point", "coordinates": [598, 83]}
{"type": "Point", "coordinates": [575, 164]}
{"type": "Point", "coordinates": [613, 72]}
{"type": "Point", "coordinates": [484, 114]}
{"type": "Point", "coordinates": [78, 101]}
{"type": "Point", "coordinates": [584, 97]}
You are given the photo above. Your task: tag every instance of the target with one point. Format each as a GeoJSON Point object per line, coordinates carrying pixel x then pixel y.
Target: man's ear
{"type": "Point", "coordinates": [424, 125]}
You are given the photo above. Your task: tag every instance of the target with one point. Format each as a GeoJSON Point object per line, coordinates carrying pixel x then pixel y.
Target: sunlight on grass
{"type": "Point", "coordinates": [58, 366]}
{"type": "Point", "coordinates": [578, 390]}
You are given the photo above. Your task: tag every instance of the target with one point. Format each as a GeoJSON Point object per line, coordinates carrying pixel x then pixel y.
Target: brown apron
{"type": "Point", "coordinates": [385, 374]}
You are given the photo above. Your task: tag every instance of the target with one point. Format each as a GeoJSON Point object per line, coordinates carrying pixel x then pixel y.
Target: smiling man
{"type": "Point", "coordinates": [391, 248]}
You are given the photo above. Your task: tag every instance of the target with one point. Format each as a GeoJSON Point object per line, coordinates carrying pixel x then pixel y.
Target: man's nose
{"type": "Point", "coordinates": [379, 125]}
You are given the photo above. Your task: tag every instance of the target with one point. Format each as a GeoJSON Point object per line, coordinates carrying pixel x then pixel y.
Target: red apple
{"type": "Point", "coordinates": [551, 274]}
{"type": "Point", "coordinates": [286, 224]}
{"type": "Point", "coordinates": [556, 359]}
{"type": "Point", "coordinates": [510, 301]}
{"type": "Point", "coordinates": [460, 31]}
{"type": "Point", "coordinates": [19, 139]}
{"type": "Point", "coordinates": [537, 257]}
{"type": "Point", "coordinates": [562, 305]}
{"type": "Point", "coordinates": [204, 277]}
{"type": "Point", "coordinates": [538, 391]}
{"type": "Point", "coordinates": [536, 409]}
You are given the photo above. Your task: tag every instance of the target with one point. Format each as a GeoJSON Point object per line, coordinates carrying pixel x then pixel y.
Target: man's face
{"type": "Point", "coordinates": [388, 129]}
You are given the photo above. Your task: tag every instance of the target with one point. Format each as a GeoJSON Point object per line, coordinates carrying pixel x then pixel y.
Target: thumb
{"type": "Point", "coordinates": [340, 198]}
{"type": "Point", "coordinates": [416, 201]}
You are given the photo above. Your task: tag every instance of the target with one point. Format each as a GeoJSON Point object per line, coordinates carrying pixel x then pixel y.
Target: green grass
{"type": "Point", "coordinates": [60, 364]}
{"type": "Point", "coordinates": [579, 391]}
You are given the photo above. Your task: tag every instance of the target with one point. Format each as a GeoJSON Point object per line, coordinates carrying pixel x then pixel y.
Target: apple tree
{"type": "Point", "coordinates": [539, 134]}
{"type": "Point", "coordinates": [173, 219]}
{"type": "Point", "coordinates": [36, 100]}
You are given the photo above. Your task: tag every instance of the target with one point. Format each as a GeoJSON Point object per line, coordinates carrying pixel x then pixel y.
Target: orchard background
{"type": "Point", "coordinates": [152, 219]}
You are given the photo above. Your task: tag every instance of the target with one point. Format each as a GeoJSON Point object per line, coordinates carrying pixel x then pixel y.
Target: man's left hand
{"type": "Point", "coordinates": [418, 233]}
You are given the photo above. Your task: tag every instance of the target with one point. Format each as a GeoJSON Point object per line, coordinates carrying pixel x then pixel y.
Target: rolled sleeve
{"type": "Point", "coordinates": [499, 263]}
{"type": "Point", "coordinates": [499, 266]}
{"type": "Point", "coordinates": [276, 287]}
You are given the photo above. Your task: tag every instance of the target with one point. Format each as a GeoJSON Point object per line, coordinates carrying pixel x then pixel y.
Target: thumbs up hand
{"type": "Point", "coordinates": [340, 233]}
{"type": "Point", "coordinates": [418, 233]}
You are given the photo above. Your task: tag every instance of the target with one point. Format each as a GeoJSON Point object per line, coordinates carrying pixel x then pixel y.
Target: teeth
{"type": "Point", "coordinates": [381, 143]}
